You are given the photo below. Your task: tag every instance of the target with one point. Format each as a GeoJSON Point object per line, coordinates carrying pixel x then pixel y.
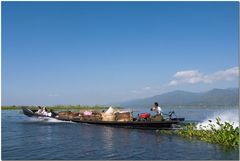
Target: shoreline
{"type": "Point", "coordinates": [60, 107]}
{"type": "Point", "coordinates": [98, 107]}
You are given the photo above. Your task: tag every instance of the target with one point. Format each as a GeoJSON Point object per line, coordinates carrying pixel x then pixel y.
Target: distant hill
{"type": "Point", "coordinates": [214, 97]}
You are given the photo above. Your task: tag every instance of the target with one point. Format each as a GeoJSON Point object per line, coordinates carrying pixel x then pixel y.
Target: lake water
{"type": "Point", "coordinates": [36, 139]}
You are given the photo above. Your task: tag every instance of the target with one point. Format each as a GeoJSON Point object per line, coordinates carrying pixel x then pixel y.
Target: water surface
{"type": "Point", "coordinates": [27, 138]}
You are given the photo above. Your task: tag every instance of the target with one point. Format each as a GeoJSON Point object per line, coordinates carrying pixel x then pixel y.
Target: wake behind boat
{"type": "Point", "coordinates": [113, 118]}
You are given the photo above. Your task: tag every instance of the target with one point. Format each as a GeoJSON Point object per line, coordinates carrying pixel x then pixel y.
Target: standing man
{"type": "Point", "coordinates": [156, 108]}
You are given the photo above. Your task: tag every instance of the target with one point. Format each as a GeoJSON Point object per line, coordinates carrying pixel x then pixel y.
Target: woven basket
{"type": "Point", "coordinates": [73, 115]}
{"type": "Point", "coordinates": [64, 115]}
{"type": "Point", "coordinates": [108, 117]}
{"type": "Point", "coordinates": [122, 117]}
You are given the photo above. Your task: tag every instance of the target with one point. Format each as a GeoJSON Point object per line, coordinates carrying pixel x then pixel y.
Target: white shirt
{"type": "Point", "coordinates": [158, 109]}
{"type": "Point", "coordinates": [39, 111]}
{"type": "Point", "coordinates": [45, 113]}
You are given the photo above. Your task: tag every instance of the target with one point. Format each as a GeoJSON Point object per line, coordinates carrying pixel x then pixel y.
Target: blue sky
{"type": "Point", "coordinates": [103, 52]}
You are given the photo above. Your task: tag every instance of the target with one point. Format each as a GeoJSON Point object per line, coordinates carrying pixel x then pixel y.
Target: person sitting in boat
{"type": "Point", "coordinates": [39, 111]}
{"type": "Point", "coordinates": [156, 108]}
{"type": "Point", "coordinates": [45, 112]}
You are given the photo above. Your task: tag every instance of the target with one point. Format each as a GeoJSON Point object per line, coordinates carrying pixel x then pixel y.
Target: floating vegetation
{"type": "Point", "coordinates": [223, 133]}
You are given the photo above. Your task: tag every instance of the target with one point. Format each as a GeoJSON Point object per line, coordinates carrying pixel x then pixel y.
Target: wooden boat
{"type": "Point", "coordinates": [170, 123]}
{"type": "Point", "coordinates": [167, 124]}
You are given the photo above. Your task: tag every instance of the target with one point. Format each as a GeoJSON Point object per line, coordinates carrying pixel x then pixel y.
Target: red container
{"type": "Point", "coordinates": [144, 115]}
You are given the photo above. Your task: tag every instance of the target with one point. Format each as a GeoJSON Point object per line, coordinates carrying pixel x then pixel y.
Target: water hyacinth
{"type": "Point", "coordinates": [223, 134]}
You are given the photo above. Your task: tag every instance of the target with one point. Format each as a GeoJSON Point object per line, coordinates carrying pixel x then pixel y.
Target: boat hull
{"type": "Point", "coordinates": [151, 125]}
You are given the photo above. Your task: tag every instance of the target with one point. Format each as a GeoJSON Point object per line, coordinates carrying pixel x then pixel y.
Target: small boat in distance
{"type": "Point", "coordinates": [165, 124]}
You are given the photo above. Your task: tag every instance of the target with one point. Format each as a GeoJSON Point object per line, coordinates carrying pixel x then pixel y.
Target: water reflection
{"type": "Point", "coordinates": [107, 135]}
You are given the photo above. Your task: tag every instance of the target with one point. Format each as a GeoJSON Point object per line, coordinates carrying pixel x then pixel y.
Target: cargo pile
{"type": "Point", "coordinates": [124, 116]}
{"type": "Point", "coordinates": [116, 115]}
{"type": "Point", "coordinates": [90, 116]}
{"type": "Point", "coordinates": [67, 115]}
{"type": "Point", "coordinates": [109, 115]}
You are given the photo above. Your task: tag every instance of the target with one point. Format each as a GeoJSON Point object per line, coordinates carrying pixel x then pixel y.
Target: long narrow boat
{"type": "Point", "coordinates": [165, 124]}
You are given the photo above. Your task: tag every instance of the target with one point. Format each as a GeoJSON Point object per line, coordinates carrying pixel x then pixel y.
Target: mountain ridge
{"type": "Point", "coordinates": [214, 97]}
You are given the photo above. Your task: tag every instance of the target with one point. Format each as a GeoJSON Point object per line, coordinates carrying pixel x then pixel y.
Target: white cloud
{"type": "Point", "coordinates": [147, 88]}
{"type": "Point", "coordinates": [188, 73]}
{"type": "Point", "coordinates": [194, 76]}
{"type": "Point", "coordinates": [173, 82]}
{"type": "Point", "coordinates": [229, 74]}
